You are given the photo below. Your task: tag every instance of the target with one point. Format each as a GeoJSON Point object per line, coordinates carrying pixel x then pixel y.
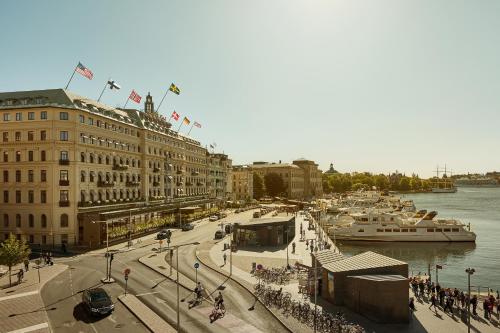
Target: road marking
{"type": "Point", "coordinates": [144, 294]}
{"type": "Point", "coordinates": [31, 328]}
{"type": "Point", "coordinates": [28, 293]}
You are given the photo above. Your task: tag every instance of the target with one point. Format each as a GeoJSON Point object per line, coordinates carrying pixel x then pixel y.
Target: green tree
{"type": "Point", "coordinates": [274, 184]}
{"type": "Point", "coordinates": [358, 186]}
{"type": "Point", "coordinates": [13, 252]}
{"type": "Point", "coordinates": [381, 182]}
{"type": "Point", "coordinates": [415, 183]}
{"type": "Point", "coordinates": [404, 184]}
{"type": "Point", "coordinates": [258, 186]}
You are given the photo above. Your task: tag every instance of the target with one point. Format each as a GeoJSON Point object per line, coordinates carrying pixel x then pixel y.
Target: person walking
{"type": "Point", "coordinates": [225, 258]}
{"type": "Point", "coordinates": [473, 301]}
{"type": "Point", "coordinates": [26, 265]}
{"type": "Point", "coordinates": [433, 302]}
{"type": "Point", "coordinates": [486, 308]}
{"type": "Point", "coordinates": [20, 276]}
{"type": "Point", "coordinates": [411, 304]}
{"type": "Point", "coordinates": [293, 247]}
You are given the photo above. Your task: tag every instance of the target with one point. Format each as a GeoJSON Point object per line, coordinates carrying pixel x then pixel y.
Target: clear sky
{"type": "Point", "coordinates": [370, 85]}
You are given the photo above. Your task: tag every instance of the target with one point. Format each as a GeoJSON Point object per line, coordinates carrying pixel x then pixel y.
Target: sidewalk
{"type": "Point", "coordinates": [21, 306]}
{"type": "Point", "coordinates": [149, 318]}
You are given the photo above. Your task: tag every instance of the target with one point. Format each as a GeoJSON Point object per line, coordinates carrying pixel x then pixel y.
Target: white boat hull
{"type": "Point", "coordinates": [409, 238]}
{"type": "Point", "coordinates": [444, 190]}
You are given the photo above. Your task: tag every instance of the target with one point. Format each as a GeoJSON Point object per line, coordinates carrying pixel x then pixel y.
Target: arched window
{"type": "Point", "coordinates": [121, 177]}
{"type": "Point", "coordinates": [107, 159]}
{"type": "Point", "coordinates": [127, 161]}
{"type": "Point", "coordinates": [82, 157]}
{"type": "Point", "coordinates": [99, 177]}
{"type": "Point", "coordinates": [99, 159]}
{"type": "Point", "coordinates": [31, 220]}
{"type": "Point", "coordinates": [43, 221]}
{"type": "Point", "coordinates": [133, 163]}
{"type": "Point", "coordinates": [64, 220]}
{"type": "Point", "coordinates": [91, 158]}
{"type": "Point", "coordinates": [82, 196]}
{"type": "Point", "coordinates": [138, 163]}
{"type": "Point", "coordinates": [91, 176]}
{"type": "Point", "coordinates": [82, 176]}
{"type": "Point", "coordinates": [114, 177]}
{"type": "Point", "coordinates": [107, 195]}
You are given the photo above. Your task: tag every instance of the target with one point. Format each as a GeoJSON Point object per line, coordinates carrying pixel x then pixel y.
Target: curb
{"type": "Point", "coordinates": [244, 287]}
{"type": "Point", "coordinates": [161, 273]}
{"type": "Point", "coordinates": [147, 324]}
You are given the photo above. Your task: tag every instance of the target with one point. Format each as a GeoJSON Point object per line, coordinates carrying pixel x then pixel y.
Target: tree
{"type": "Point", "coordinates": [258, 186]}
{"type": "Point", "coordinates": [381, 182]}
{"type": "Point", "coordinates": [274, 184]}
{"type": "Point", "coordinates": [415, 183]}
{"type": "Point", "coordinates": [13, 252]}
{"type": "Point", "coordinates": [404, 184]}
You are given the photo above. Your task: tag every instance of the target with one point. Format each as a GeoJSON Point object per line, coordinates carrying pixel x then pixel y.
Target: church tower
{"type": "Point", "coordinates": [148, 104]}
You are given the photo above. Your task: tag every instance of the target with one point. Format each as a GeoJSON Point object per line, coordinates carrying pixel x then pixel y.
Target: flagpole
{"type": "Point", "coordinates": [190, 129]}
{"type": "Point", "coordinates": [71, 78]}
{"type": "Point", "coordinates": [182, 122]}
{"type": "Point", "coordinates": [159, 105]}
{"type": "Point", "coordinates": [126, 102]}
{"type": "Point", "coordinates": [102, 92]}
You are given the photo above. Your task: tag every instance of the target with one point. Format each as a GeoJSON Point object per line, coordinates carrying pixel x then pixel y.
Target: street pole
{"type": "Point", "coordinates": [177, 281]}
{"type": "Point", "coordinates": [469, 272]}
{"type": "Point", "coordinates": [129, 230]}
{"type": "Point", "coordinates": [287, 262]}
{"type": "Point", "coordinates": [108, 273]}
{"type": "Point", "coordinates": [315, 286]}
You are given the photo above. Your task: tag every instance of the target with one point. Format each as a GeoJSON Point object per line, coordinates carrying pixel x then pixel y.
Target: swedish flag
{"type": "Point", "coordinates": [173, 88]}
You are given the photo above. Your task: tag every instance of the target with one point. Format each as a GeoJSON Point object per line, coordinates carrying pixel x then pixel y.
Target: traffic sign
{"type": "Point", "coordinates": [196, 265]}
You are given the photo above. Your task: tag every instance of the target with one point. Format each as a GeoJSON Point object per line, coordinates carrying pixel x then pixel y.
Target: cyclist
{"type": "Point", "coordinates": [219, 302]}
{"type": "Point", "coordinates": [198, 290]}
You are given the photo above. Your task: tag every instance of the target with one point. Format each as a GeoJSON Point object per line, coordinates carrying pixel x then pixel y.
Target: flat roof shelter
{"type": "Point", "coordinates": [268, 231]}
{"type": "Point", "coordinates": [341, 285]}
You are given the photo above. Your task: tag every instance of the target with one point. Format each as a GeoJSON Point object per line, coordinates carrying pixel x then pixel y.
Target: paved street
{"type": "Point", "coordinates": [154, 290]}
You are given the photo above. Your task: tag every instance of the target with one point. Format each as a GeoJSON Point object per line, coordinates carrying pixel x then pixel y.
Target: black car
{"type": "Point", "coordinates": [219, 234]}
{"type": "Point", "coordinates": [97, 301]}
{"type": "Point", "coordinates": [163, 234]}
{"type": "Point", "coordinates": [187, 227]}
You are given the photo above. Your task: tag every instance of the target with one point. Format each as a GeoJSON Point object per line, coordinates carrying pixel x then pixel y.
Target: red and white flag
{"type": "Point", "coordinates": [135, 97]}
{"type": "Point", "coordinates": [175, 115]}
{"type": "Point", "coordinates": [197, 124]}
{"type": "Point", "coordinates": [84, 71]}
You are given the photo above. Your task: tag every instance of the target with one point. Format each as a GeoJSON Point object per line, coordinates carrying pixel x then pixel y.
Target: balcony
{"type": "Point", "coordinates": [105, 183]}
{"type": "Point", "coordinates": [132, 184]}
{"type": "Point", "coordinates": [180, 172]}
{"type": "Point", "coordinates": [64, 203]}
{"type": "Point", "coordinates": [120, 167]}
{"type": "Point", "coordinates": [195, 173]}
{"type": "Point", "coordinates": [156, 170]}
{"type": "Point", "coordinates": [189, 184]}
{"type": "Point", "coordinates": [156, 183]}
{"type": "Point", "coordinates": [63, 162]}
{"type": "Point", "coordinates": [199, 184]}
{"type": "Point", "coordinates": [63, 182]}
{"type": "Point", "coordinates": [180, 183]}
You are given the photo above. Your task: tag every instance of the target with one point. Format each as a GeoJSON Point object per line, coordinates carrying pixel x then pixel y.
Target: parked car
{"type": "Point", "coordinates": [97, 301]}
{"type": "Point", "coordinates": [164, 234]}
{"type": "Point", "coordinates": [256, 214]}
{"type": "Point", "coordinates": [187, 227]}
{"type": "Point", "coordinates": [213, 218]}
{"type": "Point", "coordinates": [221, 215]}
{"type": "Point", "coordinates": [219, 234]}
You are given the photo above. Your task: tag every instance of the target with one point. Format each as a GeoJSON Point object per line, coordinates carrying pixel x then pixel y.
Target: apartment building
{"type": "Point", "coordinates": [242, 178]}
{"type": "Point", "coordinates": [71, 165]}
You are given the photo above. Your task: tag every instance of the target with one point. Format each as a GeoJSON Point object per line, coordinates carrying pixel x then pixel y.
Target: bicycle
{"type": "Point", "coordinates": [217, 312]}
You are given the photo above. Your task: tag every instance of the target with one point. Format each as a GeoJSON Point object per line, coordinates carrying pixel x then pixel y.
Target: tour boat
{"type": "Point", "coordinates": [400, 227]}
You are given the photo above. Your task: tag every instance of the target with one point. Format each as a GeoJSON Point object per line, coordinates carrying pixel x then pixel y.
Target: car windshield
{"type": "Point", "coordinates": [98, 296]}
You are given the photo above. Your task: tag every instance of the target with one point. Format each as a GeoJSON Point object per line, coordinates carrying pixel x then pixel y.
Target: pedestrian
{"type": "Point", "coordinates": [225, 258]}
{"type": "Point", "coordinates": [26, 265]}
{"type": "Point", "coordinates": [293, 247]}
{"type": "Point", "coordinates": [462, 300]}
{"type": "Point", "coordinates": [63, 247]}
{"type": "Point", "coordinates": [20, 276]}
{"type": "Point", "coordinates": [451, 300]}
{"type": "Point", "coordinates": [447, 305]}
{"type": "Point", "coordinates": [412, 304]}
{"type": "Point", "coordinates": [433, 302]}
{"type": "Point", "coordinates": [486, 308]}
{"type": "Point", "coordinates": [473, 301]}
{"type": "Point", "coordinates": [311, 247]}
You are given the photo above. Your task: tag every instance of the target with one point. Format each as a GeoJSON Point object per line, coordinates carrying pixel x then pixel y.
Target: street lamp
{"type": "Point", "coordinates": [177, 279]}
{"type": "Point", "coordinates": [108, 278]}
{"type": "Point", "coordinates": [469, 272]}
{"type": "Point", "coordinates": [315, 284]}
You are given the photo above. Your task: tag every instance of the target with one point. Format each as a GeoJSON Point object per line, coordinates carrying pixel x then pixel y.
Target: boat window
{"type": "Point", "coordinates": [380, 230]}
{"type": "Point", "coordinates": [388, 230]}
{"type": "Point", "coordinates": [439, 230]}
{"type": "Point", "coordinates": [430, 230]}
{"type": "Point", "coordinates": [404, 230]}
{"type": "Point", "coordinates": [413, 230]}
{"type": "Point", "coordinates": [455, 230]}
{"type": "Point", "coordinates": [447, 230]}
{"type": "Point", "coordinates": [395, 230]}
{"type": "Point", "coordinates": [361, 230]}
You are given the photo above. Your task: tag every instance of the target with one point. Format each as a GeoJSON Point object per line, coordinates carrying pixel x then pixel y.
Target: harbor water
{"type": "Point", "coordinates": [480, 207]}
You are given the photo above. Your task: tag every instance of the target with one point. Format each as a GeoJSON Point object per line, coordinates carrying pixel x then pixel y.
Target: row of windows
{"type": "Point", "coordinates": [63, 196]}
{"type": "Point", "coordinates": [63, 221]}
{"type": "Point", "coordinates": [31, 176]}
{"type": "Point", "coordinates": [63, 155]}
{"type": "Point", "coordinates": [63, 136]}
{"type": "Point", "coordinates": [107, 177]}
{"type": "Point", "coordinates": [102, 124]}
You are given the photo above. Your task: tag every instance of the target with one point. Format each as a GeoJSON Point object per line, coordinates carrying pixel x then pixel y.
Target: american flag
{"type": "Point", "coordinates": [84, 71]}
{"type": "Point", "coordinates": [175, 115]}
{"type": "Point", "coordinates": [135, 97]}
{"type": "Point", "coordinates": [197, 124]}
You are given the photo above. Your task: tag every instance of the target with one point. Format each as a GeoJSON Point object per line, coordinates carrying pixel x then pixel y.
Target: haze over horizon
{"type": "Point", "coordinates": [370, 86]}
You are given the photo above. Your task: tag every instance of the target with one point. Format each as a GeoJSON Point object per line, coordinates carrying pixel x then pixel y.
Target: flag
{"type": "Point", "coordinates": [439, 267]}
{"type": "Point", "coordinates": [197, 124]}
{"type": "Point", "coordinates": [84, 71]}
{"type": "Point", "coordinates": [113, 85]}
{"type": "Point", "coordinates": [186, 121]}
{"type": "Point", "coordinates": [175, 115]}
{"type": "Point", "coordinates": [135, 97]}
{"type": "Point", "coordinates": [212, 146]}
{"type": "Point", "coordinates": [173, 88]}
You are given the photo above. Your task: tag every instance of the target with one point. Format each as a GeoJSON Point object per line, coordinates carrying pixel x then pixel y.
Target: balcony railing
{"type": "Point", "coordinates": [120, 167]}
{"type": "Point", "coordinates": [64, 203]}
{"type": "Point", "coordinates": [63, 182]}
{"type": "Point", "coordinates": [105, 183]}
{"type": "Point", "coordinates": [189, 184]}
{"type": "Point", "coordinates": [130, 184]}
{"type": "Point", "coordinates": [156, 170]}
{"type": "Point", "coordinates": [180, 183]}
{"type": "Point", "coordinates": [195, 173]}
{"type": "Point", "coordinates": [156, 183]}
{"type": "Point", "coordinates": [63, 162]}
{"type": "Point", "coordinates": [179, 172]}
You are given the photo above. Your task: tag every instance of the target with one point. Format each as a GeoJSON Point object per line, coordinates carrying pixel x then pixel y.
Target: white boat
{"type": "Point", "coordinates": [400, 227]}
{"type": "Point", "coordinates": [443, 185]}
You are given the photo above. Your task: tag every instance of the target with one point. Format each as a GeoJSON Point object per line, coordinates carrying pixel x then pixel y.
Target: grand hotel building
{"type": "Point", "coordinates": [69, 165]}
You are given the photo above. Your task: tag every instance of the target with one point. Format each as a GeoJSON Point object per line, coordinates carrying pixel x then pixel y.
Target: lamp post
{"type": "Point", "coordinates": [315, 284]}
{"type": "Point", "coordinates": [108, 278]}
{"type": "Point", "coordinates": [469, 272]}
